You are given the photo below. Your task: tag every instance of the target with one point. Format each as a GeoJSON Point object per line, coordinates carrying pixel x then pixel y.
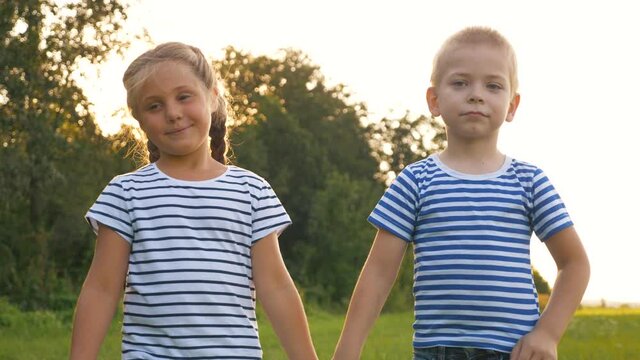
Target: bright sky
{"type": "Point", "coordinates": [579, 75]}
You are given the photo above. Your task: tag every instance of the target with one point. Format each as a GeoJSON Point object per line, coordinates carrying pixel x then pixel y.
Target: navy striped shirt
{"type": "Point", "coordinates": [473, 285]}
{"type": "Point", "coordinates": [189, 288]}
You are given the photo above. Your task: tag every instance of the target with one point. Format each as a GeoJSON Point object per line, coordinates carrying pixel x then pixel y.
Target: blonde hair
{"type": "Point", "coordinates": [145, 65]}
{"type": "Point", "coordinates": [471, 36]}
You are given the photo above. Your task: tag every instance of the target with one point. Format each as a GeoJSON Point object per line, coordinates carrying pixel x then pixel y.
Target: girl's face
{"type": "Point", "coordinates": [175, 111]}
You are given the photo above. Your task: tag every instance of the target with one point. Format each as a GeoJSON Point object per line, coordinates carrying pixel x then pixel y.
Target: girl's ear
{"type": "Point", "coordinates": [213, 99]}
{"type": "Point", "coordinates": [432, 101]}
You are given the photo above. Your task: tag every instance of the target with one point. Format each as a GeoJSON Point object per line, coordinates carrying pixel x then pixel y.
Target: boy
{"type": "Point", "coordinates": [469, 212]}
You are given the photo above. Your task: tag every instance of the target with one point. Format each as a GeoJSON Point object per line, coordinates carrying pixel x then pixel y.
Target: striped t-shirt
{"type": "Point", "coordinates": [473, 285]}
{"type": "Point", "coordinates": [189, 289]}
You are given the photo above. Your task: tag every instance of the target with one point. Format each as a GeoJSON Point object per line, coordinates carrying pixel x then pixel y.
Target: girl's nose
{"type": "Point", "coordinates": [173, 112]}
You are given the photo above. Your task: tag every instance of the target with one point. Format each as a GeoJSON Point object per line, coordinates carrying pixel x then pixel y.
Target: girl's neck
{"type": "Point", "coordinates": [190, 168]}
{"type": "Point", "coordinates": [473, 159]}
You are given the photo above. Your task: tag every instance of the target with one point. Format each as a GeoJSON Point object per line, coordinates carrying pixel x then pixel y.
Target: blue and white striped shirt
{"type": "Point", "coordinates": [473, 284]}
{"type": "Point", "coordinates": [189, 288]}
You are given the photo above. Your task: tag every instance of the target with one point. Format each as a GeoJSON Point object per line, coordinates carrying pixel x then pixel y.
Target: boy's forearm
{"type": "Point", "coordinates": [367, 301]}
{"type": "Point", "coordinates": [286, 313]}
{"type": "Point", "coordinates": [372, 289]}
{"type": "Point", "coordinates": [568, 289]}
{"type": "Point", "coordinates": [94, 313]}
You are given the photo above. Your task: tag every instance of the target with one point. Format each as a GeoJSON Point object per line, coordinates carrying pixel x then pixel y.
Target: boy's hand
{"type": "Point", "coordinates": [536, 345]}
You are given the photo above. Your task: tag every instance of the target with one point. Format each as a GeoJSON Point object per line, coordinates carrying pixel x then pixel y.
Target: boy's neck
{"type": "Point", "coordinates": [470, 159]}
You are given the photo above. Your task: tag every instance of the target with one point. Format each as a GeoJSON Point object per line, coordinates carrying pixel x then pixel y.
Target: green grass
{"type": "Point", "coordinates": [600, 334]}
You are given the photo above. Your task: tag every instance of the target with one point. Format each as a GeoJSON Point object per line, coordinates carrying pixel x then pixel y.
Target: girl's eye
{"type": "Point", "coordinates": [153, 106]}
{"type": "Point", "coordinates": [183, 96]}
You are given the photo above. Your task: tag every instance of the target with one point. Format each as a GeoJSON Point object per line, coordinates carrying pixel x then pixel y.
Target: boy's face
{"type": "Point", "coordinates": [474, 95]}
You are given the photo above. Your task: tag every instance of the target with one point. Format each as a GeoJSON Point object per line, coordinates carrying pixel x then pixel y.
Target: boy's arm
{"type": "Point", "coordinates": [573, 275]}
{"type": "Point", "coordinates": [280, 299]}
{"type": "Point", "coordinates": [376, 280]}
{"type": "Point", "coordinates": [100, 294]}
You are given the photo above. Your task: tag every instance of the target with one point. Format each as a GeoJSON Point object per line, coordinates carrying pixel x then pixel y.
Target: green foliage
{"type": "Point", "coordinates": [593, 334]}
{"type": "Point", "coordinates": [542, 286]}
{"type": "Point", "coordinates": [306, 138]}
{"type": "Point", "coordinates": [309, 142]}
{"type": "Point", "coordinates": [397, 143]}
{"type": "Point", "coordinates": [54, 158]}
{"type": "Point", "coordinates": [341, 236]}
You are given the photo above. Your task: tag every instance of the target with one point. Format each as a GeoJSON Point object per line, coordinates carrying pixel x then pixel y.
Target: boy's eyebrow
{"type": "Point", "coordinates": [463, 74]}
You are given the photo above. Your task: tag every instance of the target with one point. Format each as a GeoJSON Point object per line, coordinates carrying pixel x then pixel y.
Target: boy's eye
{"type": "Point", "coordinates": [458, 83]}
{"type": "Point", "coordinates": [494, 86]}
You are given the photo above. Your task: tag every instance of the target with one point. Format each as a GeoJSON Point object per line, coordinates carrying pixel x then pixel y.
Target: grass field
{"type": "Point", "coordinates": [597, 334]}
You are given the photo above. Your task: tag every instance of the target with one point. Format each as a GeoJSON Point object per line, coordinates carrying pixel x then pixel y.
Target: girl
{"type": "Point", "coordinates": [190, 239]}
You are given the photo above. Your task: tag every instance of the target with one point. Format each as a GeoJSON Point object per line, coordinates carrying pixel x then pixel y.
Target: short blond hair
{"type": "Point", "coordinates": [474, 35]}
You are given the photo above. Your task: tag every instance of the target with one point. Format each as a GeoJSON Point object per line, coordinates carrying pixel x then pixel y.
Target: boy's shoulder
{"type": "Point", "coordinates": [525, 168]}
{"type": "Point", "coordinates": [424, 165]}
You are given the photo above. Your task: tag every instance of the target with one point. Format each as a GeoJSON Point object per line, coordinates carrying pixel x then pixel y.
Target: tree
{"type": "Point", "coordinates": [293, 130]}
{"type": "Point", "coordinates": [46, 131]}
{"type": "Point", "coordinates": [308, 140]}
{"type": "Point", "coordinates": [397, 143]}
{"type": "Point", "coordinates": [542, 286]}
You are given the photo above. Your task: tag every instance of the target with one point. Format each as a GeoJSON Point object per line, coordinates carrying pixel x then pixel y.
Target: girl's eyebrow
{"type": "Point", "coordinates": [175, 89]}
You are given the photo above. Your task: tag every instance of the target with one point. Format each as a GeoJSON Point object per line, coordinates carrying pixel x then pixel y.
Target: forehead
{"type": "Point", "coordinates": [482, 59]}
{"type": "Point", "coordinates": [168, 76]}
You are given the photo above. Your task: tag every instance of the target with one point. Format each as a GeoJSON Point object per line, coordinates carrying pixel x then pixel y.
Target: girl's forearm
{"type": "Point", "coordinates": [286, 313]}
{"type": "Point", "coordinates": [94, 313]}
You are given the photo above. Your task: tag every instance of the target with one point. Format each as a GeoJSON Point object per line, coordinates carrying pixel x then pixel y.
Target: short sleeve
{"type": "Point", "coordinates": [268, 214]}
{"type": "Point", "coordinates": [549, 214]}
{"type": "Point", "coordinates": [396, 212]}
{"type": "Point", "coordinates": [110, 209]}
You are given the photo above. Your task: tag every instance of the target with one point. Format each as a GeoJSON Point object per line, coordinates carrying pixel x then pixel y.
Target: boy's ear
{"type": "Point", "coordinates": [513, 106]}
{"type": "Point", "coordinates": [432, 101]}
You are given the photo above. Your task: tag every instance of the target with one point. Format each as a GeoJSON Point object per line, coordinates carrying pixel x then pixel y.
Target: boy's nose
{"type": "Point", "coordinates": [474, 95]}
{"type": "Point", "coordinates": [473, 99]}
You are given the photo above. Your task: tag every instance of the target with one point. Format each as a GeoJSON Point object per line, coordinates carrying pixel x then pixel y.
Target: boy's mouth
{"type": "Point", "coordinates": [475, 113]}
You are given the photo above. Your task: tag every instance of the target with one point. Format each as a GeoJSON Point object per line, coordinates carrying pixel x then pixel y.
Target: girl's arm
{"type": "Point", "coordinates": [376, 280]}
{"type": "Point", "coordinates": [280, 299]}
{"type": "Point", "coordinates": [573, 276]}
{"type": "Point", "coordinates": [100, 294]}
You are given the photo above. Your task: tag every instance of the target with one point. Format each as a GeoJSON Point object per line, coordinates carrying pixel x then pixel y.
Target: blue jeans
{"type": "Point", "coordinates": [457, 353]}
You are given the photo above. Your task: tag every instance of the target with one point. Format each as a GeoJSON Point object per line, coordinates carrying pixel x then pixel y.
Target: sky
{"type": "Point", "coordinates": [579, 83]}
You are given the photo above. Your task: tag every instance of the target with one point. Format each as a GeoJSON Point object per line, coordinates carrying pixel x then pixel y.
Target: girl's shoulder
{"type": "Point", "coordinates": [247, 177]}
{"type": "Point", "coordinates": [142, 174]}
